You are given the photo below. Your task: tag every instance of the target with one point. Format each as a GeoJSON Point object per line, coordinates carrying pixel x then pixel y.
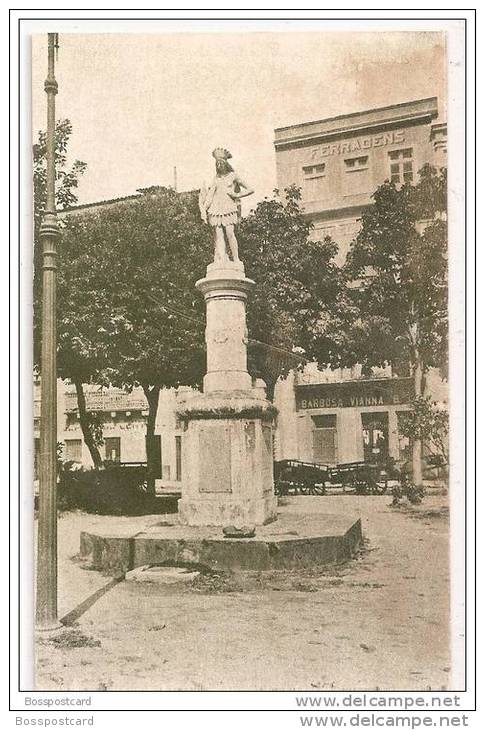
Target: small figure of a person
{"type": "Point", "coordinates": [220, 206]}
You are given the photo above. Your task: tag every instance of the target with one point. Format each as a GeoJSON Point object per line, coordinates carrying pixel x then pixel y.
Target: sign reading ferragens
{"type": "Point", "coordinates": [355, 394]}
{"type": "Point", "coordinates": [356, 145]}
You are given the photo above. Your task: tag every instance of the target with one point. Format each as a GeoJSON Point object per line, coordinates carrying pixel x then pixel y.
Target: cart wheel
{"type": "Point", "coordinates": [142, 487]}
{"type": "Point", "coordinates": [381, 488]}
{"type": "Point", "coordinates": [360, 487]}
{"type": "Point", "coordinates": [281, 489]}
{"type": "Point", "coordinates": [375, 488]}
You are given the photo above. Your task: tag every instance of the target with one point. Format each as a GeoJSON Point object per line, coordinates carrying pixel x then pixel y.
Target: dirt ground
{"type": "Point", "coordinates": [377, 622]}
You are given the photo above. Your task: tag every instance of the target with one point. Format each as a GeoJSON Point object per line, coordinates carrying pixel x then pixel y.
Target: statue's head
{"type": "Point", "coordinates": [222, 156]}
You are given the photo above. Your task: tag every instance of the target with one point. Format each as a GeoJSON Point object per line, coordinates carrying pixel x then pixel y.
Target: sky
{"type": "Point", "coordinates": [141, 105]}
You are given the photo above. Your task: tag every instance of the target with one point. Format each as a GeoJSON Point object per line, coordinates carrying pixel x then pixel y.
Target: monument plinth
{"type": "Point", "coordinates": [225, 289]}
{"type": "Point", "coordinates": [228, 439]}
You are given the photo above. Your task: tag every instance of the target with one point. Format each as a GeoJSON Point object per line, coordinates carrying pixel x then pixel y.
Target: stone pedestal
{"type": "Point", "coordinates": [225, 290]}
{"type": "Point", "coordinates": [227, 445]}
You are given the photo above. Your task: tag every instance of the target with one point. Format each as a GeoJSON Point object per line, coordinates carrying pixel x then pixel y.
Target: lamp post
{"type": "Point", "coordinates": [46, 600]}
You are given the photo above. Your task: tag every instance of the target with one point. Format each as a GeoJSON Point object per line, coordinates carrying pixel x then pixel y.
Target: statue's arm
{"type": "Point", "coordinates": [202, 199]}
{"type": "Point", "coordinates": [210, 195]}
{"type": "Point", "coordinates": [244, 188]}
{"type": "Point", "coordinates": [205, 199]}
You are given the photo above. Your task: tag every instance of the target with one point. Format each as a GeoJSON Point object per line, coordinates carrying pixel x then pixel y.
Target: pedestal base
{"type": "Point", "coordinates": [303, 536]}
{"type": "Point", "coordinates": [227, 461]}
{"type": "Point", "coordinates": [236, 512]}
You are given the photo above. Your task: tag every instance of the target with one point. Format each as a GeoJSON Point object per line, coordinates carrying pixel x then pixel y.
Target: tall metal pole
{"type": "Point", "coordinates": [46, 603]}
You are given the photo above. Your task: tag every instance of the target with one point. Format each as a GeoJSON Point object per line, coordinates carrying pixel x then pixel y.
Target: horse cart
{"type": "Point", "coordinates": [300, 477]}
{"type": "Point", "coordinates": [362, 477]}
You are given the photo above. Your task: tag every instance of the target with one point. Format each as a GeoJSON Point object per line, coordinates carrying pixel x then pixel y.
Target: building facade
{"type": "Point", "coordinates": [338, 416]}
{"type": "Point", "coordinates": [123, 420]}
{"type": "Point", "coordinates": [338, 163]}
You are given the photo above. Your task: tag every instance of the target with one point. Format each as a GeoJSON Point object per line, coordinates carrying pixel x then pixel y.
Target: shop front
{"type": "Point", "coordinates": [352, 421]}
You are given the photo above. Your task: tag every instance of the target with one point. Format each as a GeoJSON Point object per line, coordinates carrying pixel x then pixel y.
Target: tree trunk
{"type": "Point", "coordinates": [417, 444]}
{"type": "Point", "coordinates": [152, 395]}
{"type": "Point", "coordinates": [86, 426]}
{"type": "Point", "coordinates": [270, 388]}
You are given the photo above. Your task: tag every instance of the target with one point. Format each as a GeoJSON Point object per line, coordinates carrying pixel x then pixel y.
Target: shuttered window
{"type": "Point", "coordinates": [73, 450]}
{"type": "Point", "coordinates": [325, 446]}
{"type": "Point", "coordinates": [325, 439]}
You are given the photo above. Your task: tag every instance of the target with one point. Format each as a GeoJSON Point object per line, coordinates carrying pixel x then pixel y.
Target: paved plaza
{"type": "Point", "coordinates": [378, 621]}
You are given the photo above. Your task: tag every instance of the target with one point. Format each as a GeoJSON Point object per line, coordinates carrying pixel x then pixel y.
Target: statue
{"type": "Point", "coordinates": [220, 206]}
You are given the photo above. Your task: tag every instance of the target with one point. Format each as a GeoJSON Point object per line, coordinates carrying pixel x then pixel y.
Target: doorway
{"type": "Point", "coordinates": [325, 439]}
{"type": "Point", "coordinates": [375, 433]}
{"type": "Point", "coordinates": [112, 448]}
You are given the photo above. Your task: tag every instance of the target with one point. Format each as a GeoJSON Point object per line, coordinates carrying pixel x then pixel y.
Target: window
{"type": "Point", "coordinates": [314, 170]}
{"type": "Point", "coordinates": [401, 165]}
{"type": "Point", "coordinates": [356, 175]}
{"type": "Point", "coordinates": [325, 421]}
{"type": "Point", "coordinates": [314, 182]}
{"type": "Point", "coordinates": [325, 439]}
{"type": "Point", "coordinates": [73, 450]}
{"type": "Point", "coordinates": [354, 164]}
{"type": "Point", "coordinates": [112, 448]}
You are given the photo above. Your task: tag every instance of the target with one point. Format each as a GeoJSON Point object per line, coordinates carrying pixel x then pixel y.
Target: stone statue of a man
{"type": "Point", "coordinates": [220, 206]}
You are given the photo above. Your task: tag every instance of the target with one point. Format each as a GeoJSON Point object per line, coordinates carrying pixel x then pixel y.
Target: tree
{"type": "Point", "coordinates": [429, 423]}
{"type": "Point", "coordinates": [130, 306]}
{"type": "Point", "coordinates": [294, 306]}
{"type": "Point", "coordinates": [399, 259]}
{"type": "Point", "coordinates": [67, 180]}
{"type": "Point", "coordinates": [67, 177]}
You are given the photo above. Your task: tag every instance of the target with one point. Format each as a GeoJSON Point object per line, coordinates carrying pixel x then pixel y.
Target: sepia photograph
{"type": "Point", "coordinates": [242, 394]}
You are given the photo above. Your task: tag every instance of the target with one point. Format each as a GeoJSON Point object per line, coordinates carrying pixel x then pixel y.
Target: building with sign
{"type": "Point", "coordinates": [337, 416]}
{"type": "Point", "coordinates": [341, 421]}
{"type": "Point", "coordinates": [338, 163]}
{"type": "Point", "coordinates": [123, 420]}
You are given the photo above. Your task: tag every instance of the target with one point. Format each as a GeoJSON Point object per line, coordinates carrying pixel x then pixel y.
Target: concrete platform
{"type": "Point", "coordinates": [296, 540]}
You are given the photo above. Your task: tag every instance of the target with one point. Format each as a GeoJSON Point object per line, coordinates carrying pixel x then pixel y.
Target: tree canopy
{"type": "Point", "coordinates": [399, 259]}
{"type": "Point", "coordinates": [67, 180]}
{"type": "Point", "coordinates": [398, 262]}
{"type": "Point", "coordinates": [295, 304]}
{"type": "Point", "coordinates": [126, 282]}
{"type": "Point", "coordinates": [128, 270]}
